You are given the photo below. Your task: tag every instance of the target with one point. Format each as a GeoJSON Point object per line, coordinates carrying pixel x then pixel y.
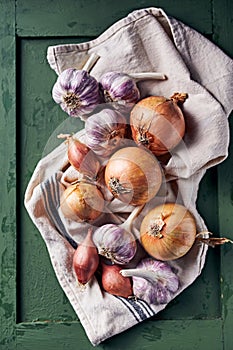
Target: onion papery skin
{"type": "Point", "coordinates": [119, 87]}
{"type": "Point", "coordinates": [115, 243]}
{"type": "Point", "coordinates": [105, 131]}
{"type": "Point", "coordinates": [114, 283]}
{"type": "Point", "coordinates": [133, 175]}
{"type": "Point", "coordinates": [82, 202]}
{"type": "Point", "coordinates": [175, 238]}
{"type": "Point", "coordinates": [77, 92]}
{"type": "Point", "coordinates": [85, 259]}
{"type": "Point", "coordinates": [157, 123]}
{"type": "Point", "coordinates": [82, 158]}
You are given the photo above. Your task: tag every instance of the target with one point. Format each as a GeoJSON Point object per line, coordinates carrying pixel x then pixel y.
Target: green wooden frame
{"type": "Point", "coordinates": [23, 19]}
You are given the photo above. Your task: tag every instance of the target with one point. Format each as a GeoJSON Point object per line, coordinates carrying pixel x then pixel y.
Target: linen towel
{"type": "Point", "coordinates": [146, 40]}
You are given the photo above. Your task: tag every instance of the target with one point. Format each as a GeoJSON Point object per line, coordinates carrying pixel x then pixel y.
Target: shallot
{"type": "Point", "coordinates": [114, 283]}
{"type": "Point", "coordinates": [85, 259]}
{"type": "Point", "coordinates": [81, 157]}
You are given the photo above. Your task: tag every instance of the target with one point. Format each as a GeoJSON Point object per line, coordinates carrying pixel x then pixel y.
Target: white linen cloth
{"type": "Point", "coordinates": [146, 40]}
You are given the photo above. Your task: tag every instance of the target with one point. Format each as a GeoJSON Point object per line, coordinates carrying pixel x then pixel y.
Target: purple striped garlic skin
{"type": "Point", "coordinates": [115, 243]}
{"type": "Point", "coordinates": [119, 87]}
{"type": "Point", "coordinates": [153, 281]}
{"type": "Point", "coordinates": [77, 92]}
{"type": "Point", "coordinates": [105, 131]}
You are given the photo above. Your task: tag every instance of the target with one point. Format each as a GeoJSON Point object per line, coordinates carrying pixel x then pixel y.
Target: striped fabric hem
{"type": "Point", "coordinates": [138, 308]}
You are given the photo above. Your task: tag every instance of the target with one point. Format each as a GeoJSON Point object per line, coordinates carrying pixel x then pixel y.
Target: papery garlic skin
{"type": "Point", "coordinates": [115, 243]}
{"type": "Point", "coordinates": [153, 281]}
{"type": "Point", "coordinates": [77, 92]}
{"type": "Point", "coordinates": [119, 87]}
{"type": "Point", "coordinates": [105, 131]}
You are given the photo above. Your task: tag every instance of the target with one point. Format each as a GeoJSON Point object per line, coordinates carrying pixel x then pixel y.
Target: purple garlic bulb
{"type": "Point", "coordinates": [119, 87]}
{"type": "Point", "coordinates": [153, 281]}
{"type": "Point", "coordinates": [105, 131]}
{"type": "Point", "coordinates": [77, 92]}
{"type": "Point", "coordinates": [115, 243]}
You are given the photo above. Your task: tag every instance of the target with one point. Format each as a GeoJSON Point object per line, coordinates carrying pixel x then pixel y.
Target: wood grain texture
{"type": "Point", "coordinates": [91, 18]}
{"type": "Point", "coordinates": [8, 176]}
{"type": "Point", "coordinates": [162, 335]}
{"type": "Point", "coordinates": [223, 33]}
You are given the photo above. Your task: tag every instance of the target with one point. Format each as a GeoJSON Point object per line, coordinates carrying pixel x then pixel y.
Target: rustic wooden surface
{"type": "Point", "coordinates": [34, 312]}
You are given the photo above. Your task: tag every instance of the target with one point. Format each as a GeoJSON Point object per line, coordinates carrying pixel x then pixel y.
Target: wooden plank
{"type": "Point", "coordinates": [40, 294]}
{"type": "Point", "coordinates": [149, 335]}
{"type": "Point", "coordinates": [7, 175]}
{"type": "Point", "coordinates": [223, 32]}
{"type": "Point", "coordinates": [92, 17]}
{"type": "Point", "coordinates": [223, 24]}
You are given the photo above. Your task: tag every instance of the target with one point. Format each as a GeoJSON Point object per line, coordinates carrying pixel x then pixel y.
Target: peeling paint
{"type": "Point", "coordinates": [7, 98]}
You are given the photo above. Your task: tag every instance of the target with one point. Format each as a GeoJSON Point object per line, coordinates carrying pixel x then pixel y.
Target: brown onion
{"type": "Point", "coordinates": [114, 283]}
{"type": "Point", "coordinates": [158, 123]}
{"type": "Point", "coordinates": [168, 231]}
{"type": "Point", "coordinates": [133, 175]}
{"type": "Point", "coordinates": [85, 259]}
{"type": "Point", "coordinates": [82, 202]}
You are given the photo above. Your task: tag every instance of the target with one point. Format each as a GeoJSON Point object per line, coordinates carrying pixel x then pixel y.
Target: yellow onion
{"type": "Point", "coordinates": [168, 231]}
{"type": "Point", "coordinates": [133, 175]}
{"type": "Point", "coordinates": [158, 123]}
{"type": "Point", "coordinates": [82, 202]}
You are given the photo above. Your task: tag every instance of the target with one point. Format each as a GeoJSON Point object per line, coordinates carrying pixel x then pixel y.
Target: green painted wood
{"type": "Point", "coordinates": [222, 21]}
{"type": "Point", "coordinates": [198, 319]}
{"type": "Point", "coordinates": [41, 122]}
{"type": "Point", "coordinates": [7, 175]}
{"type": "Point", "coordinates": [150, 335]}
{"type": "Point", "coordinates": [68, 17]}
{"type": "Point", "coordinates": [222, 24]}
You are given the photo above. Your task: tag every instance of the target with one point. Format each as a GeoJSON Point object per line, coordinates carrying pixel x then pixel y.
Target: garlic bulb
{"type": "Point", "coordinates": [76, 91]}
{"type": "Point", "coordinates": [119, 87]}
{"type": "Point", "coordinates": [117, 242]}
{"type": "Point", "coordinates": [153, 281]}
{"type": "Point", "coordinates": [105, 131]}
